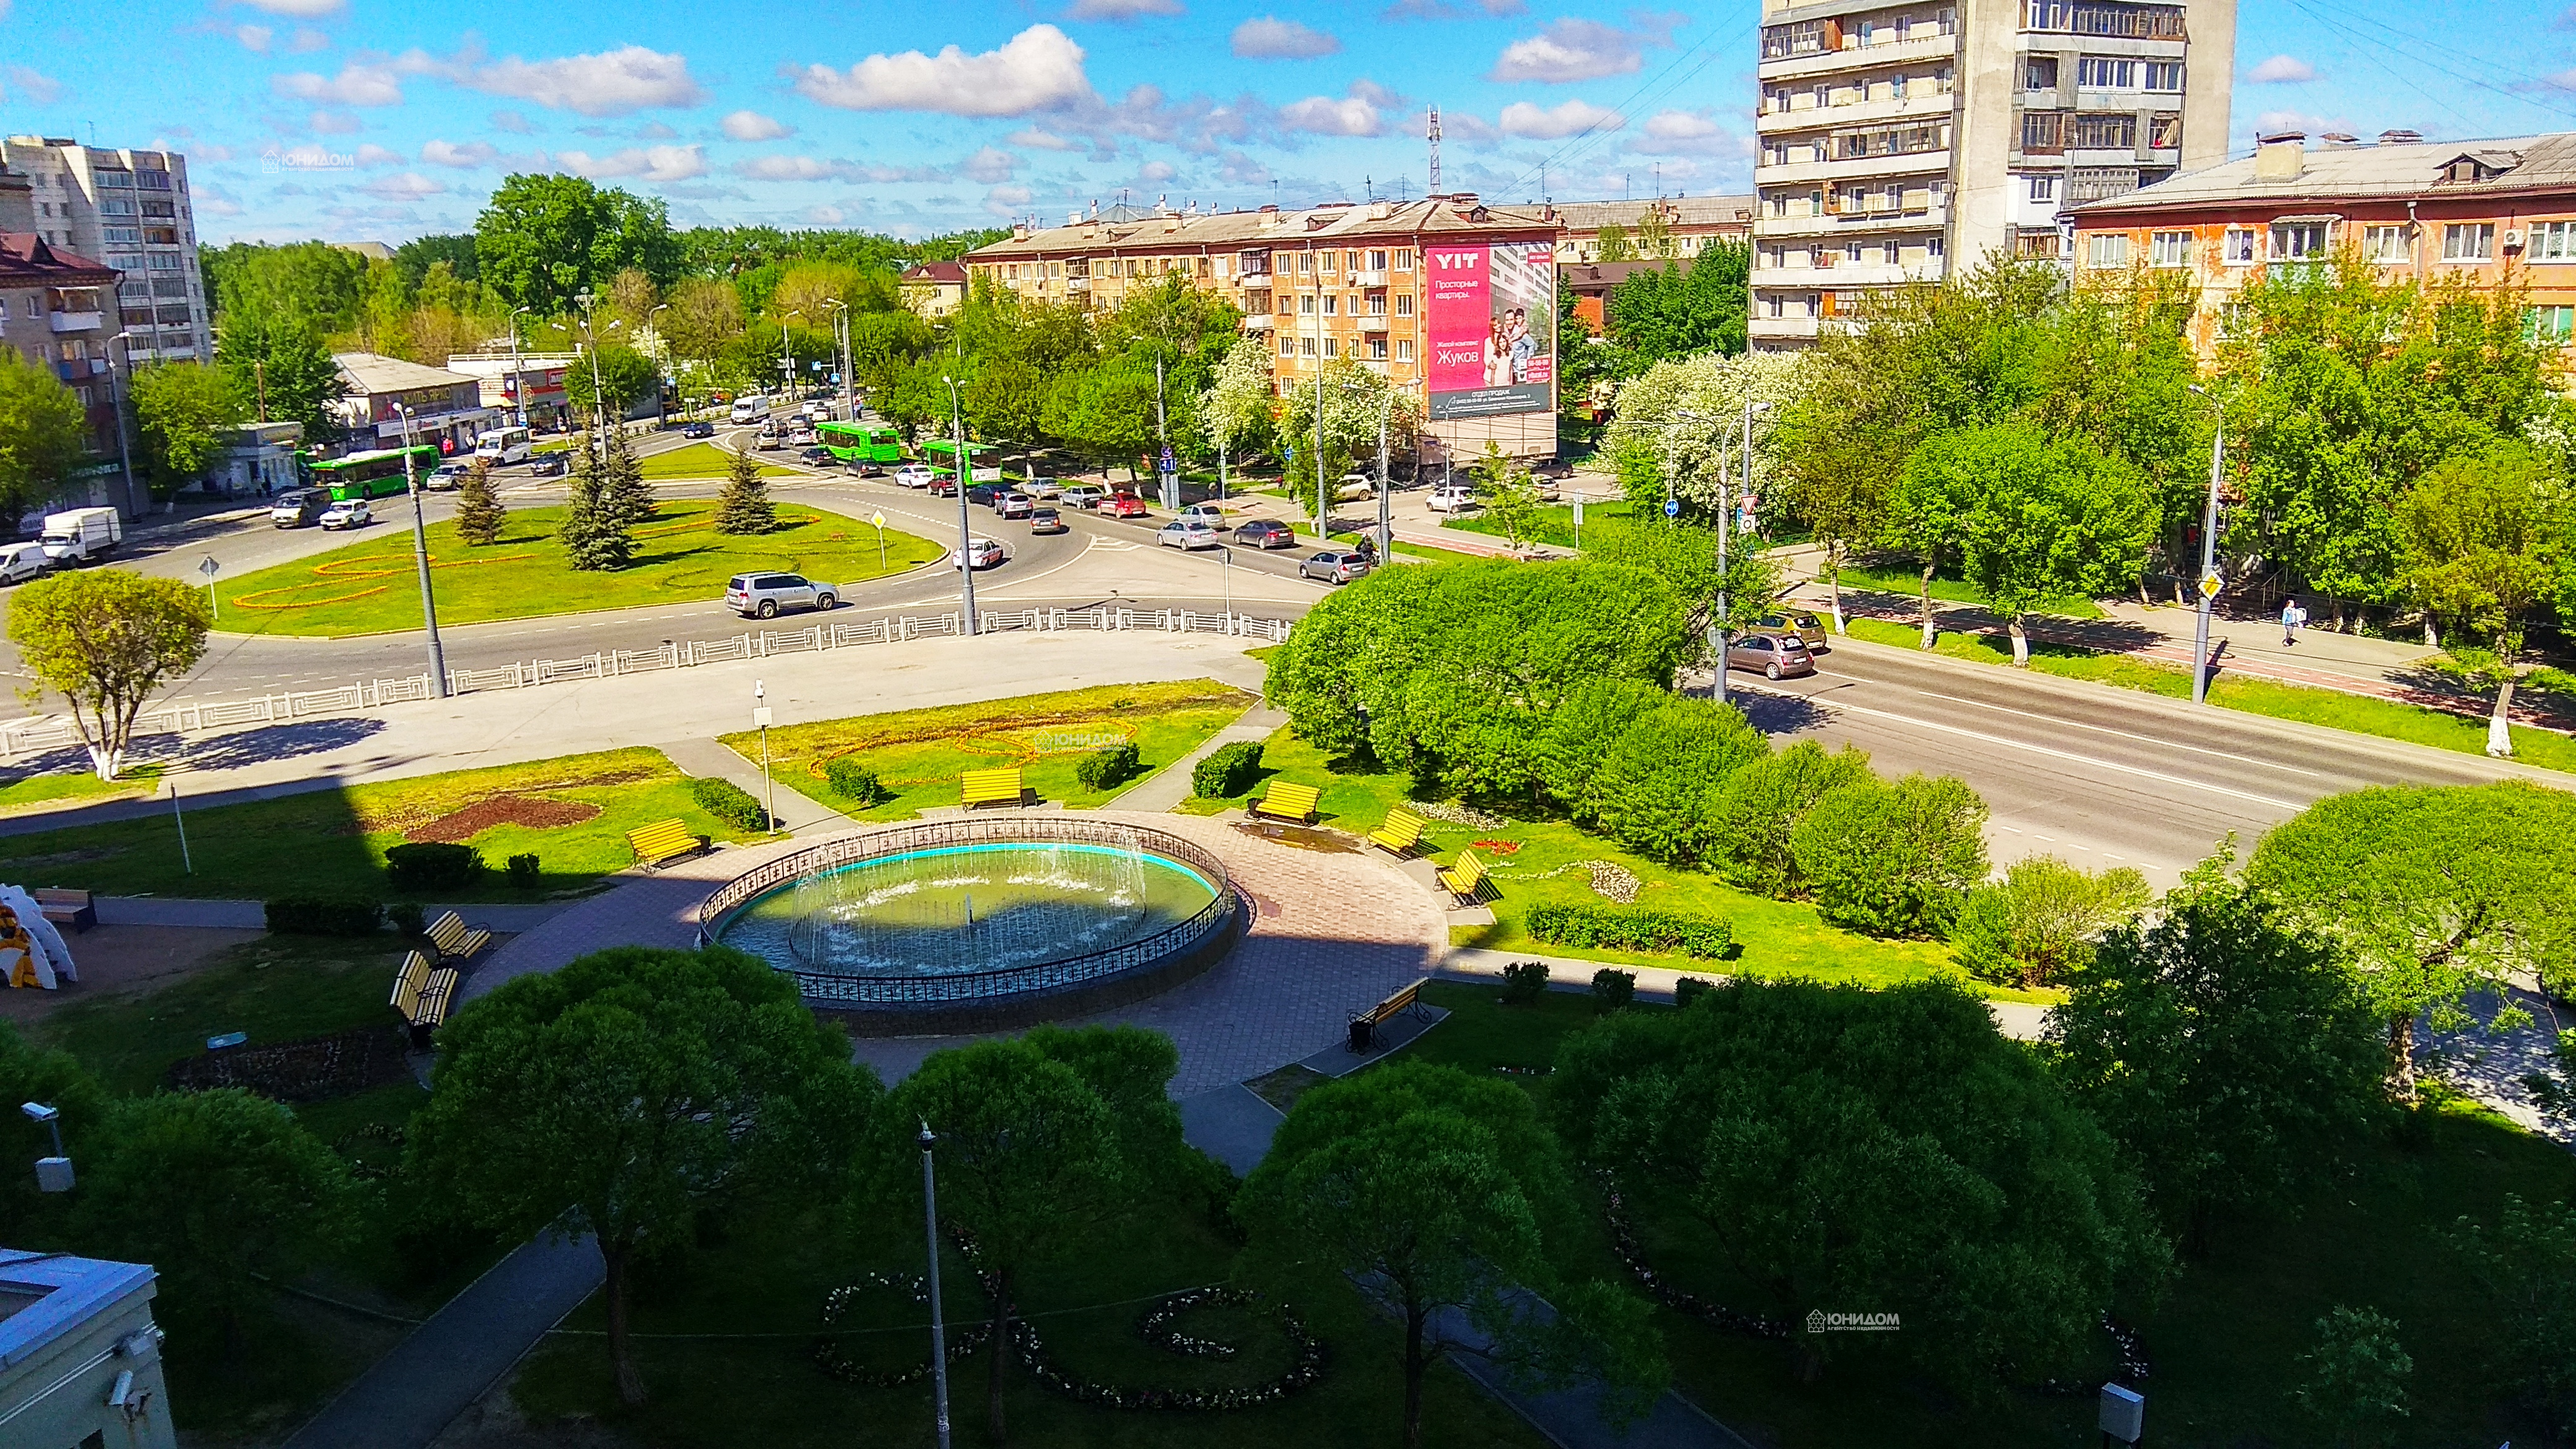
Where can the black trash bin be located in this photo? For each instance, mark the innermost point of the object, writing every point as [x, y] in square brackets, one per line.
[1363, 1034]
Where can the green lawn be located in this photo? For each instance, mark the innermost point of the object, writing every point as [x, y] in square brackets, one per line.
[919, 754]
[2225, 1342]
[279, 988]
[1908, 581]
[1775, 937]
[1308, 538]
[1555, 525]
[2359, 713]
[333, 842]
[702, 460]
[371, 586]
[26, 792]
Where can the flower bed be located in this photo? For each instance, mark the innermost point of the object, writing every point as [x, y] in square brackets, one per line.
[315, 1069]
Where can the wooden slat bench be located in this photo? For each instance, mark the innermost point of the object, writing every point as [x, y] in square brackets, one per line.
[455, 940]
[1399, 835]
[993, 787]
[1284, 801]
[664, 840]
[1364, 1024]
[1466, 880]
[422, 993]
[66, 907]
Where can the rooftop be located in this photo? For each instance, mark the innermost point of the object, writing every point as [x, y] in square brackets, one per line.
[46, 1295]
[1460, 215]
[2348, 169]
[1678, 211]
[937, 272]
[28, 260]
[373, 372]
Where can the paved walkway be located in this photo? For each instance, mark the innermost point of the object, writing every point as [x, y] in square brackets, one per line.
[2019, 1020]
[252, 915]
[799, 812]
[1168, 787]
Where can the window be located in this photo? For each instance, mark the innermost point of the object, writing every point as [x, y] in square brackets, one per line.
[2108, 249]
[2093, 131]
[1404, 259]
[1306, 345]
[1287, 345]
[1377, 349]
[1328, 261]
[2131, 22]
[2164, 133]
[2098, 72]
[2043, 188]
[2298, 241]
[2171, 249]
[2469, 242]
[2164, 75]
[1377, 304]
[2039, 73]
[1404, 349]
[2383, 243]
[1896, 88]
[1306, 304]
[1306, 263]
[2043, 132]
[1779, 42]
[2550, 324]
[1773, 305]
[1404, 304]
[2553, 241]
[1377, 261]
[1932, 248]
[130, 235]
[1851, 251]
[1889, 254]
[115, 206]
[1330, 298]
[1332, 347]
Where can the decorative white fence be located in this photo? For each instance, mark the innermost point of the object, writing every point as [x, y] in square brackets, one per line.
[54, 732]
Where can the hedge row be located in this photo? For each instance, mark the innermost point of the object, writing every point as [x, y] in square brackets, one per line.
[1228, 771]
[1629, 928]
[729, 803]
[1101, 769]
[433, 865]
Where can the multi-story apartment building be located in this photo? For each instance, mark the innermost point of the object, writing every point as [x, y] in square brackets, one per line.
[1900, 141]
[2485, 213]
[131, 210]
[1686, 224]
[1446, 296]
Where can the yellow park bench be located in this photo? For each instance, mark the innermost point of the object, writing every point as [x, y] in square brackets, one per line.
[66, 907]
[1400, 834]
[1364, 1024]
[422, 993]
[664, 840]
[993, 787]
[1466, 880]
[1284, 801]
[455, 940]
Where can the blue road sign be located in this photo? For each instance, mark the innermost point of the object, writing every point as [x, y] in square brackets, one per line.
[1672, 508]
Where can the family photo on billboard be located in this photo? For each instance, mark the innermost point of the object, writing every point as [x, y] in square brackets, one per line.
[1492, 322]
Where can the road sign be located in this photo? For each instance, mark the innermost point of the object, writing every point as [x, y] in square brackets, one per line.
[1578, 512]
[1672, 508]
[877, 518]
[209, 567]
[2211, 583]
[1170, 465]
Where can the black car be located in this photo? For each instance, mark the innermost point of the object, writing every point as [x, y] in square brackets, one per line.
[817, 458]
[550, 465]
[699, 430]
[1266, 533]
[983, 494]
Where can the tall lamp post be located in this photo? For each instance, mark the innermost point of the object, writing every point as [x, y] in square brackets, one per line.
[518, 369]
[841, 335]
[787, 357]
[1725, 522]
[116, 401]
[938, 1320]
[965, 531]
[769, 782]
[658, 348]
[420, 558]
[2209, 582]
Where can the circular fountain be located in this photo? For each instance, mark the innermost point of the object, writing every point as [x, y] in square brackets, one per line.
[981, 925]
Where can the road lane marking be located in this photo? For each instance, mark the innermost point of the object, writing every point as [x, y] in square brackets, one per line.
[2124, 734]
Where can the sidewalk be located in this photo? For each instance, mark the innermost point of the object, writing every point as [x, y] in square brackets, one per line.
[1167, 788]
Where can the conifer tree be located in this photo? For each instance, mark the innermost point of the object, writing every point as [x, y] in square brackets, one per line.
[629, 501]
[479, 513]
[594, 531]
[744, 507]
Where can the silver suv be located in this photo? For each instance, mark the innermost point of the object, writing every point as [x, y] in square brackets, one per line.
[766, 594]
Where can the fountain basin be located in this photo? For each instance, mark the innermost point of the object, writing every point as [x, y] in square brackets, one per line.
[981, 925]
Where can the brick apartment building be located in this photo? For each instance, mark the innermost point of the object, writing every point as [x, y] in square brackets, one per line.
[1688, 223]
[2478, 211]
[1445, 293]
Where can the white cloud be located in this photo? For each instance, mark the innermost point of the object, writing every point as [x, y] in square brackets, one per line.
[642, 163]
[464, 157]
[1039, 69]
[1686, 133]
[408, 186]
[307, 9]
[1680, 126]
[208, 151]
[2271, 121]
[214, 203]
[821, 214]
[796, 168]
[611, 83]
[357, 84]
[753, 126]
[1328, 116]
[2281, 70]
[1533, 122]
[1006, 200]
[990, 166]
[1579, 50]
[655, 131]
[1155, 173]
[512, 122]
[308, 40]
[332, 123]
[254, 38]
[1038, 140]
[1270, 38]
[373, 155]
[1120, 9]
[30, 85]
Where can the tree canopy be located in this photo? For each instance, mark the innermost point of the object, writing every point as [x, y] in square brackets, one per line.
[106, 640]
[542, 239]
[44, 433]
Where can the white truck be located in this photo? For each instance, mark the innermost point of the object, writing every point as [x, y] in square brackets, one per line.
[81, 535]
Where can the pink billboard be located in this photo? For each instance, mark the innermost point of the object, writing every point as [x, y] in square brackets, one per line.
[1491, 317]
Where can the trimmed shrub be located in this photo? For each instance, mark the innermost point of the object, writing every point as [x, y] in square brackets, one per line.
[1613, 988]
[1630, 928]
[1657, 788]
[406, 917]
[434, 865]
[1688, 989]
[1103, 768]
[1524, 982]
[1760, 806]
[1893, 858]
[1228, 771]
[1579, 737]
[853, 781]
[524, 871]
[729, 803]
[314, 916]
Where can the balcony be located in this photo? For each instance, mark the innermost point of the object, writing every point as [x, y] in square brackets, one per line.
[1908, 163]
[1842, 274]
[1855, 57]
[1256, 322]
[1252, 279]
[1780, 328]
[81, 369]
[1077, 284]
[1369, 279]
[1858, 223]
[1817, 118]
[1372, 322]
[77, 321]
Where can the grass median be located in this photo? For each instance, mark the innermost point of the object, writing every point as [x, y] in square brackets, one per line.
[702, 460]
[370, 586]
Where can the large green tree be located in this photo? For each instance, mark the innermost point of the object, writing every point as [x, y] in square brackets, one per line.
[628, 1094]
[543, 239]
[1889, 1151]
[1682, 309]
[106, 640]
[44, 433]
[2487, 538]
[2043, 518]
[312, 283]
[280, 367]
[184, 413]
[1892, 857]
[626, 376]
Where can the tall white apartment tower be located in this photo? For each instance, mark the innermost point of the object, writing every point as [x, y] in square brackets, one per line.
[131, 210]
[1901, 141]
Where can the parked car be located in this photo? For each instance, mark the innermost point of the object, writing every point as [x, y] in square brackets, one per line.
[1776, 655]
[1041, 487]
[349, 513]
[1450, 497]
[20, 562]
[1189, 533]
[1014, 505]
[983, 552]
[1121, 505]
[1047, 520]
[1266, 533]
[1811, 631]
[766, 594]
[913, 475]
[549, 465]
[699, 429]
[1334, 566]
[1083, 495]
[297, 508]
[817, 457]
[1214, 515]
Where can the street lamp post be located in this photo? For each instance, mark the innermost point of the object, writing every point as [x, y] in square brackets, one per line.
[965, 531]
[938, 1319]
[1725, 635]
[53, 1174]
[658, 349]
[420, 558]
[769, 782]
[518, 369]
[841, 335]
[2207, 586]
[598, 392]
[787, 357]
[116, 401]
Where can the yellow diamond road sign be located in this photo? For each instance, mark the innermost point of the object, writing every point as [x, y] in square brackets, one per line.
[2210, 584]
[877, 518]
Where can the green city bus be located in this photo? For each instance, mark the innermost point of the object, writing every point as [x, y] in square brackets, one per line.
[941, 455]
[374, 474]
[860, 442]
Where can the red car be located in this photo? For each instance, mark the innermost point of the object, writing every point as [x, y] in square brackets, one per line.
[1123, 505]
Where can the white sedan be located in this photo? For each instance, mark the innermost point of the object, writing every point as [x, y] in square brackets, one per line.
[1190, 533]
[984, 552]
[913, 475]
[1450, 497]
[350, 513]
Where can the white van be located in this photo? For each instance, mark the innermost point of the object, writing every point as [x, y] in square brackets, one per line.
[20, 562]
[508, 445]
[750, 409]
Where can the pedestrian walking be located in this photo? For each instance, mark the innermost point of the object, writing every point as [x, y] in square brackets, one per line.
[2292, 617]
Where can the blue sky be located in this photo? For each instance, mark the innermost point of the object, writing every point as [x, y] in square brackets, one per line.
[363, 119]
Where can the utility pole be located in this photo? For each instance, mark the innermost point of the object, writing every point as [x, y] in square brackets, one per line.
[1385, 528]
[1323, 489]
[938, 1321]
[420, 558]
[518, 369]
[1163, 442]
[116, 396]
[965, 531]
[2209, 581]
